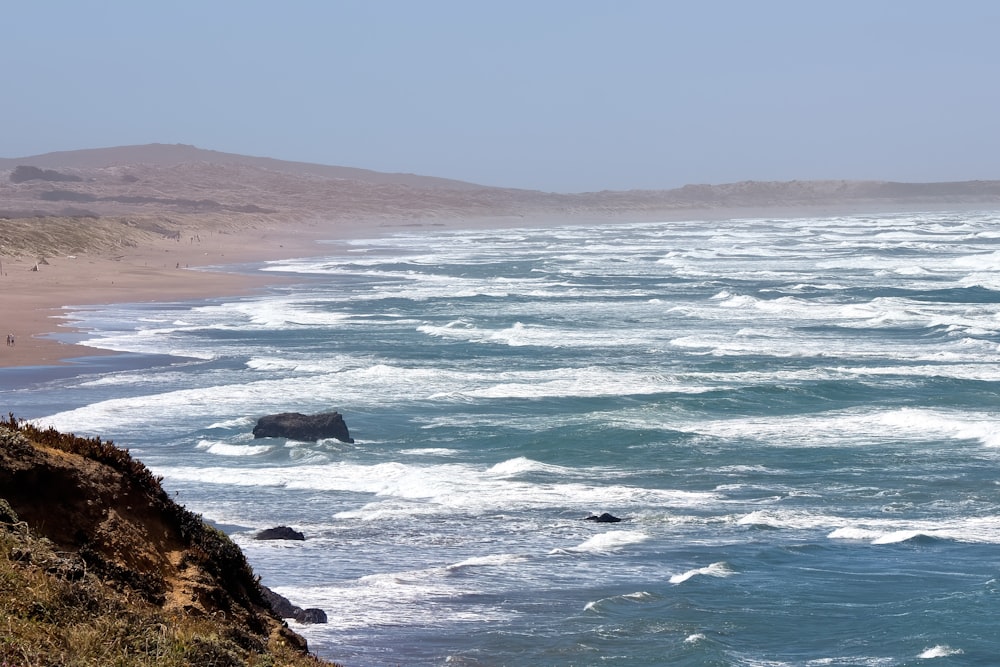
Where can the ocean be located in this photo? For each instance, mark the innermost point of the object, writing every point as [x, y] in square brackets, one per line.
[795, 419]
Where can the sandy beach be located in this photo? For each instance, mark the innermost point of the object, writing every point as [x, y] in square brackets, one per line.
[36, 297]
[34, 302]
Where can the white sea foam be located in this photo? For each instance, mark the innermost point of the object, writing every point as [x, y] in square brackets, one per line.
[440, 488]
[632, 598]
[229, 449]
[897, 536]
[719, 569]
[522, 465]
[430, 451]
[972, 530]
[238, 422]
[495, 560]
[854, 427]
[394, 600]
[940, 651]
[612, 540]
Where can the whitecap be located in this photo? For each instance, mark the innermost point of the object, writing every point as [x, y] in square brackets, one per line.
[494, 560]
[229, 449]
[522, 465]
[720, 569]
[898, 536]
[238, 422]
[940, 651]
[639, 596]
[610, 541]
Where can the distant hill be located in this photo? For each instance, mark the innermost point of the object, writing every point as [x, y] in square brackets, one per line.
[161, 179]
[170, 155]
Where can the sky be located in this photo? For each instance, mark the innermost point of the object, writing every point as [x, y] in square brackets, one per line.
[554, 95]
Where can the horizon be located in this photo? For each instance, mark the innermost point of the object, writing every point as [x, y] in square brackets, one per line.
[558, 97]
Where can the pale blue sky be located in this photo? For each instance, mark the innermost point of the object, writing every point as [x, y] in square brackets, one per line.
[560, 95]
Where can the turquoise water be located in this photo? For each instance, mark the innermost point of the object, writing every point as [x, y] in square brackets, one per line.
[796, 419]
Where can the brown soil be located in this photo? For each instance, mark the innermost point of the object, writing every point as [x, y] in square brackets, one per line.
[86, 519]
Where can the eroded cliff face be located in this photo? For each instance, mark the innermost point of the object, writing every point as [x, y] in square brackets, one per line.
[89, 539]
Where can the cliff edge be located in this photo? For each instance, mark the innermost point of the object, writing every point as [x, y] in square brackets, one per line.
[99, 566]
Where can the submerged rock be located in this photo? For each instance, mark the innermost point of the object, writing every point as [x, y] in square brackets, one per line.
[603, 518]
[298, 426]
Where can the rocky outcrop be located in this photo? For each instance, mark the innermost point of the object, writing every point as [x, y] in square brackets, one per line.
[297, 426]
[284, 608]
[91, 543]
[279, 533]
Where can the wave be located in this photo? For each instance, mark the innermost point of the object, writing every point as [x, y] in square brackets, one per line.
[522, 465]
[238, 422]
[430, 451]
[842, 428]
[229, 449]
[910, 536]
[496, 560]
[878, 531]
[720, 569]
[889, 537]
[420, 489]
[940, 651]
[613, 540]
[969, 530]
[627, 598]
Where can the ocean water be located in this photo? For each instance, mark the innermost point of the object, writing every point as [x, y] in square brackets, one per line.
[798, 421]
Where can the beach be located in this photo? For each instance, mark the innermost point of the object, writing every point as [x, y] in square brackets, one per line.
[202, 258]
[36, 295]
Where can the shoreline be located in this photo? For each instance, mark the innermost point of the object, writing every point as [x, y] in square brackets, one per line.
[35, 299]
[36, 304]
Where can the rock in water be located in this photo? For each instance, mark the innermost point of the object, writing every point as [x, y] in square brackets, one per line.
[285, 609]
[298, 426]
[279, 533]
[603, 518]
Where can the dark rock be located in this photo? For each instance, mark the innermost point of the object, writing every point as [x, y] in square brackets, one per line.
[298, 426]
[281, 605]
[279, 533]
[285, 609]
[311, 615]
[603, 518]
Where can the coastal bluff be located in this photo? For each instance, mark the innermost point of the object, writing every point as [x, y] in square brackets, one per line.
[98, 565]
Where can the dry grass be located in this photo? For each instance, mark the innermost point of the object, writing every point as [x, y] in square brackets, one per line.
[55, 613]
[48, 237]
[72, 608]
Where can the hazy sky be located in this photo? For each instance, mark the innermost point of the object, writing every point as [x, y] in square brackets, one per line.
[560, 95]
